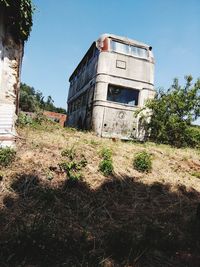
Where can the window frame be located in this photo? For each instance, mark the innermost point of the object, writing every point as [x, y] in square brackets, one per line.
[129, 50]
[123, 87]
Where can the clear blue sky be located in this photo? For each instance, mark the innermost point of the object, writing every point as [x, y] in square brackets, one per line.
[64, 29]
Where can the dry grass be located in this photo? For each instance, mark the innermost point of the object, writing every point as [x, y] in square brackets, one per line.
[129, 219]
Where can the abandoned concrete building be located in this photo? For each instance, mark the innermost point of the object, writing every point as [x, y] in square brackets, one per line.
[112, 81]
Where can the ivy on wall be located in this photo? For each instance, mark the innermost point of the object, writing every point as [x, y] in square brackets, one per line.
[18, 17]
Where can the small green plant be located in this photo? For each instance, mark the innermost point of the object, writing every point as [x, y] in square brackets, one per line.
[73, 167]
[106, 164]
[7, 155]
[69, 152]
[106, 153]
[142, 162]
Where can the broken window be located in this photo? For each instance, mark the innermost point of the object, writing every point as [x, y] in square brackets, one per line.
[123, 95]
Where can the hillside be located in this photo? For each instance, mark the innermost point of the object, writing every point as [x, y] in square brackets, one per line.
[126, 219]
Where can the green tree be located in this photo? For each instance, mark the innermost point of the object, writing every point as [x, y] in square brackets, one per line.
[28, 101]
[32, 100]
[172, 114]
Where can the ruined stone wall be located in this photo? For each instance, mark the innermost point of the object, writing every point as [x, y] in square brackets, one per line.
[11, 53]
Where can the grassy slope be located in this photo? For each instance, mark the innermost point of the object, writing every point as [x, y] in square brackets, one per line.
[129, 219]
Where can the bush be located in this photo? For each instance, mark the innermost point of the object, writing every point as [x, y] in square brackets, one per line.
[172, 114]
[142, 162]
[24, 120]
[193, 136]
[7, 155]
[106, 164]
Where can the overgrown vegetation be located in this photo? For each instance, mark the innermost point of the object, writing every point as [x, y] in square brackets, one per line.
[34, 121]
[106, 164]
[142, 162]
[32, 100]
[7, 155]
[18, 15]
[126, 219]
[172, 114]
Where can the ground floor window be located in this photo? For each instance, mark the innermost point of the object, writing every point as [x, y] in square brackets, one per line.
[123, 95]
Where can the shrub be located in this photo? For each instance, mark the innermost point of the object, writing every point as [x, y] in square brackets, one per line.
[24, 120]
[106, 164]
[172, 114]
[7, 155]
[34, 120]
[106, 167]
[142, 162]
[193, 136]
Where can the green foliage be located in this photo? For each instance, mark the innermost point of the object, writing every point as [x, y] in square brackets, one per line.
[33, 101]
[142, 162]
[69, 152]
[73, 165]
[7, 155]
[35, 120]
[18, 15]
[24, 120]
[192, 136]
[106, 164]
[106, 153]
[172, 114]
[28, 98]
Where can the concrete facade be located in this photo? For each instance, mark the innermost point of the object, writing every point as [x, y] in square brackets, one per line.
[111, 68]
[11, 54]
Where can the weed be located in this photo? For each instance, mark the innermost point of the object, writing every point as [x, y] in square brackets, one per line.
[106, 153]
[94, 142]
[142, 162]
[196, 174]
[72, 167]
[106, 164]
[7, 155]
[106, 167]
[69, 152]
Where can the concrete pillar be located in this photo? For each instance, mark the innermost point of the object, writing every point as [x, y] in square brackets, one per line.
[11, 53]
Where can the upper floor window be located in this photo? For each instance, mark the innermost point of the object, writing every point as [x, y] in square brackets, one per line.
[129, 49]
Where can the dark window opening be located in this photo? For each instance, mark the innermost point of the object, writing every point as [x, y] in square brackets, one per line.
[123, 95]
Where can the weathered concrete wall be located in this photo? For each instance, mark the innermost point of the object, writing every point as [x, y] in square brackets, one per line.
[10, 64]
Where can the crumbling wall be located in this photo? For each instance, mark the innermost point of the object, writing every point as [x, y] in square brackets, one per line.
[11, 53]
